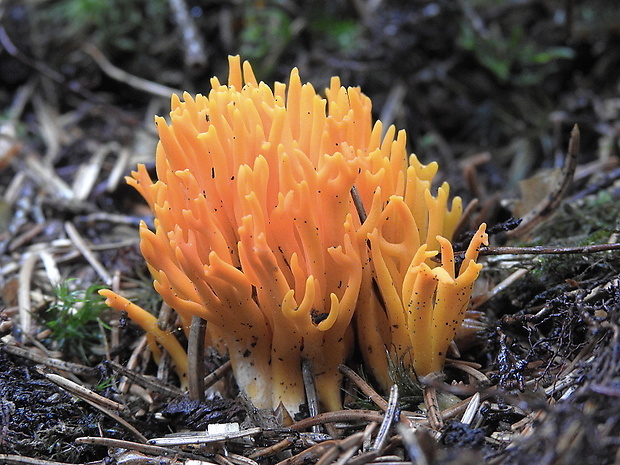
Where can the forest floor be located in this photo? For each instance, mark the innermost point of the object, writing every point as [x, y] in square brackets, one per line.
[492, 90]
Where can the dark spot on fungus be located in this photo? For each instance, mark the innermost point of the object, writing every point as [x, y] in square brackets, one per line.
[317, 317]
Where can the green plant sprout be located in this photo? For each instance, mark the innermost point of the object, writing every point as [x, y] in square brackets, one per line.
[74, 319]
[511, 55]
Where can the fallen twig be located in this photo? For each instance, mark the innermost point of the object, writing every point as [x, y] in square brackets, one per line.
[548, 249]
[129, 79]
[136, 446]
[195, 361]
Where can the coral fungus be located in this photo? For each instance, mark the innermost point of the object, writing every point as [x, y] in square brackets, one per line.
[256, 232]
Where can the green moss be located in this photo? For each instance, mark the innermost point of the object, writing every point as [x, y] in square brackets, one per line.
[339, 34]
[589, 221]
[115, 23]
[510, 54]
